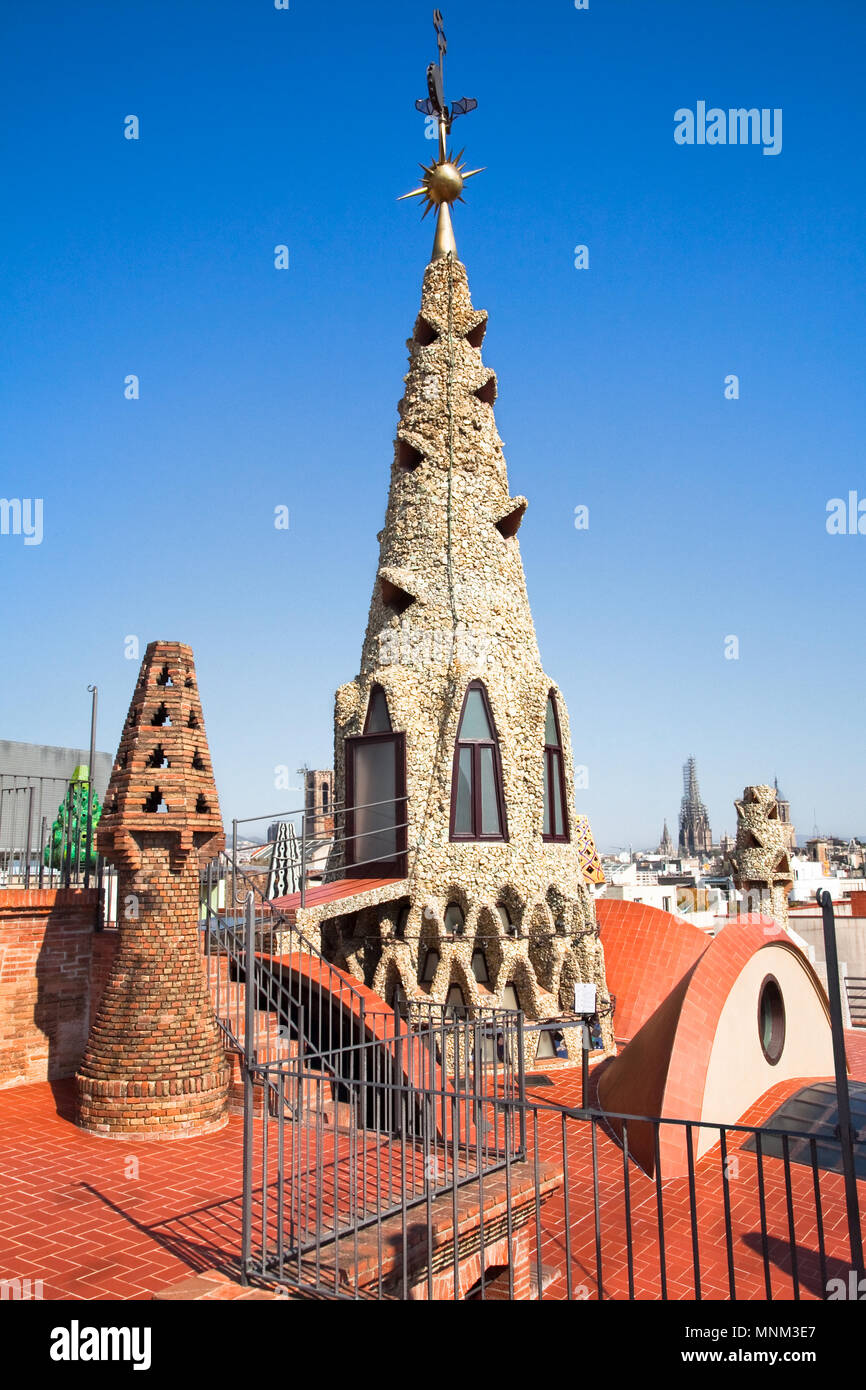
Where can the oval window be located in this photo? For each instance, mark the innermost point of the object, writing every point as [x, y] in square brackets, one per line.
[771, 1020]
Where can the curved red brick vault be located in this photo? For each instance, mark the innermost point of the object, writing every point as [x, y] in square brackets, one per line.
[663, 1069]
[646, 952]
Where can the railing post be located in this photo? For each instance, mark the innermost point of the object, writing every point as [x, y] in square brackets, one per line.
[249, 1058]
[843, 1100]
[304, 857]
[585, 1041]
[521, 1082]
[67, 876]
[99, 922]
[29, 838]
[43, 836]
[234, 865]
[89, 841]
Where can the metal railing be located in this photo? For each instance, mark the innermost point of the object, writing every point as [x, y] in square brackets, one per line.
[370, 1131]
[30, 856]
[385, 819]
[298, 995]
[743, 1221]
[338, 1204]
[361, 1120]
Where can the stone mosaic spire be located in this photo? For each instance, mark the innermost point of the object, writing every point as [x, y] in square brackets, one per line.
[450, 609]
[445, 558]
[494, 905]
[761, 860]
[155, 1065]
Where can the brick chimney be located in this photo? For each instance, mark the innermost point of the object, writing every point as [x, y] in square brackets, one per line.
[155, 1065]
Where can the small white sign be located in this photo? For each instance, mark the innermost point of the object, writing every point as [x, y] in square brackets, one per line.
[584, 999]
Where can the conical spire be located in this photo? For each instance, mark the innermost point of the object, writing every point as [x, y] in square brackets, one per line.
[448, 558]
[155, 1063]
[452, 706]
[162, 780]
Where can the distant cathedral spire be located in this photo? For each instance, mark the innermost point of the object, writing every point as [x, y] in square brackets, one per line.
[667, 845]
[695, 834]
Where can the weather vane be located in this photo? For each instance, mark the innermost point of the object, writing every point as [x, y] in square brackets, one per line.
[444, 177]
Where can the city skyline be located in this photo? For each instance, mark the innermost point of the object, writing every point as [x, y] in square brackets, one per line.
[263, 388]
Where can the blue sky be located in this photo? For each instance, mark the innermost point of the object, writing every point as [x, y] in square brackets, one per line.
[262, 387]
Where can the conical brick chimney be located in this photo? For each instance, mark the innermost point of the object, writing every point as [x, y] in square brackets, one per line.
[155, 1065]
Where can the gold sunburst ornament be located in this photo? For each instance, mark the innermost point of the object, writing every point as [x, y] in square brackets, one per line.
[444, 177]
[442, 183]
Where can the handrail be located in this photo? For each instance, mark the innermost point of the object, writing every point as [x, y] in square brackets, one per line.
[312, 813]
[337, 842]
[337, 982]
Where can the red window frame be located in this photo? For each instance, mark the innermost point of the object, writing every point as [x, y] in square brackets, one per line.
[378, 868]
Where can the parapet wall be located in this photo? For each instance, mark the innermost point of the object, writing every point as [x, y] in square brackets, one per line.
[52, 967]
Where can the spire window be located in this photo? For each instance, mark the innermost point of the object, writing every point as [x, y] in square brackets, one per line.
[376, 796]
[477, 799]
[555, 821]
[378, 719]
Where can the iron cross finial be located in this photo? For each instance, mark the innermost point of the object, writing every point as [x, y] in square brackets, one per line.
[434, 103]
[441, 40]
[444, 177]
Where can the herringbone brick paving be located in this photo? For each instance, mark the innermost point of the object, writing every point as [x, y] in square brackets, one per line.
[99, 1219]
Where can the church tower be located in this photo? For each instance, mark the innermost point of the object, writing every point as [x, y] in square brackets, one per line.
[453, 736]
[667, 845]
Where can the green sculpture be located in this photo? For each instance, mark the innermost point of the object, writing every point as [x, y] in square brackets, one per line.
[70, 826]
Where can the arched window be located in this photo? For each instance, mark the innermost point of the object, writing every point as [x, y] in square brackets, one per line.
[455, 921]
[431, 965]
[479, 966]
[555, 823]
[477, 801]
[505, 919]
[455, 1004]
[551, 1045]
[510, 999]
[324, 798]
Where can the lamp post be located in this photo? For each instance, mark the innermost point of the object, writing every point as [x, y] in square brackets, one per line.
[88, 841]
